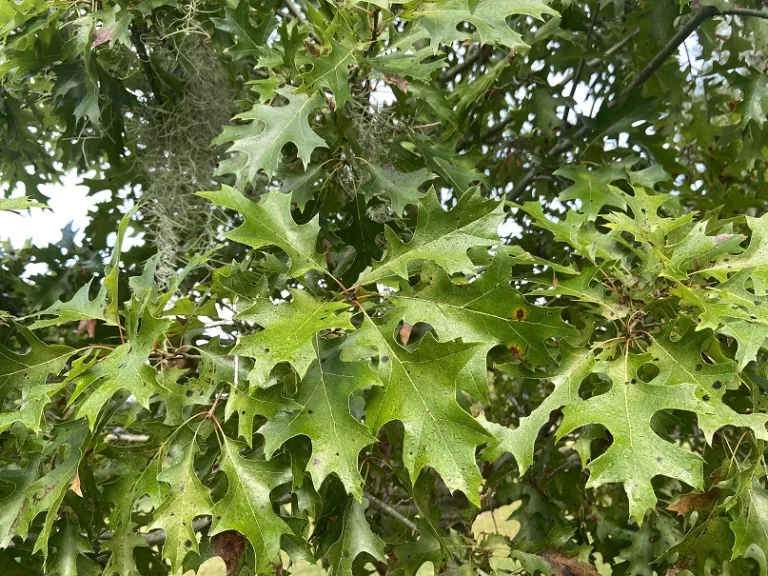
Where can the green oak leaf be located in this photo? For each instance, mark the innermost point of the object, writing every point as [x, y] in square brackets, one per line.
[710, 541]
[27, 374]
[20, 203]
[122, 547]
[754, 103]
[645, 224]
[71, 547]
[467, 95]
[458, 171]
[487, 311]
[441, 236]
[680, 362]
[419, 390]
[187, 500]
[411, 556]
[473, 313]
[489, 18]
[684, 382]
[139, 478]
[637, 454]
[35, 494]
[402, 189]
[587, 288]
[250, 40]
[125, 368]
[112, 270]
[257, 144]
[24, 372]
[577, 231]
[288, 334]
[323, 415]
[268, 402]
[592, 187]
[331, 70]
[733, 310]
[754, 258]
[30, 408]
[654, 538]
[246, 507]
[79, 307]
[269, 223]
[356, 538]
[407, 62]
[750, 523]
[15, 480]
[301, 184]
[520, 441]
[77, 83]
[698, 249]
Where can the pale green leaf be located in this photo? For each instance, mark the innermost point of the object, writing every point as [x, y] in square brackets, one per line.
[257, 144]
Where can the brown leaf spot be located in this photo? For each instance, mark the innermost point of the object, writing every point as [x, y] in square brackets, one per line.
[230, 546]
[519, 314]
[311, 48]
[722, 238]
[567, 565]
[87, 326]
[75, 486]
[405, 333]
[102, 35]
[395, 80]
[694, 501]
[677, 568]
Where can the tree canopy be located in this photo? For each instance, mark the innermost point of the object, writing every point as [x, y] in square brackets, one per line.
[387, 287]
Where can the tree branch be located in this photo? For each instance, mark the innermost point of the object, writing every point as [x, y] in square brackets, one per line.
[745, 12]
[498, 128]
[387, 509]
[141, 50]
[582, 60]
[293, 9]
[673, 44]
[494, 130]
[610, 51]
[465, 64]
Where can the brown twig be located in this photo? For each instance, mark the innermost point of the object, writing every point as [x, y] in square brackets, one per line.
[387, 509]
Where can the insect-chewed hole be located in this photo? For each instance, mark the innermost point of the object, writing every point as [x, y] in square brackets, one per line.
[648, 371]
[671, 425]
[593, 385]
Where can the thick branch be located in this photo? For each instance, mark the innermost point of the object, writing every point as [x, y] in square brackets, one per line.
[674, 43]
[671, 46]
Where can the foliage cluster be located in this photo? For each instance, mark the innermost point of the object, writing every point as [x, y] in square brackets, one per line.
[403, 287]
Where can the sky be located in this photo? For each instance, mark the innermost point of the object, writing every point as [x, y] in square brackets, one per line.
[68, 202]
